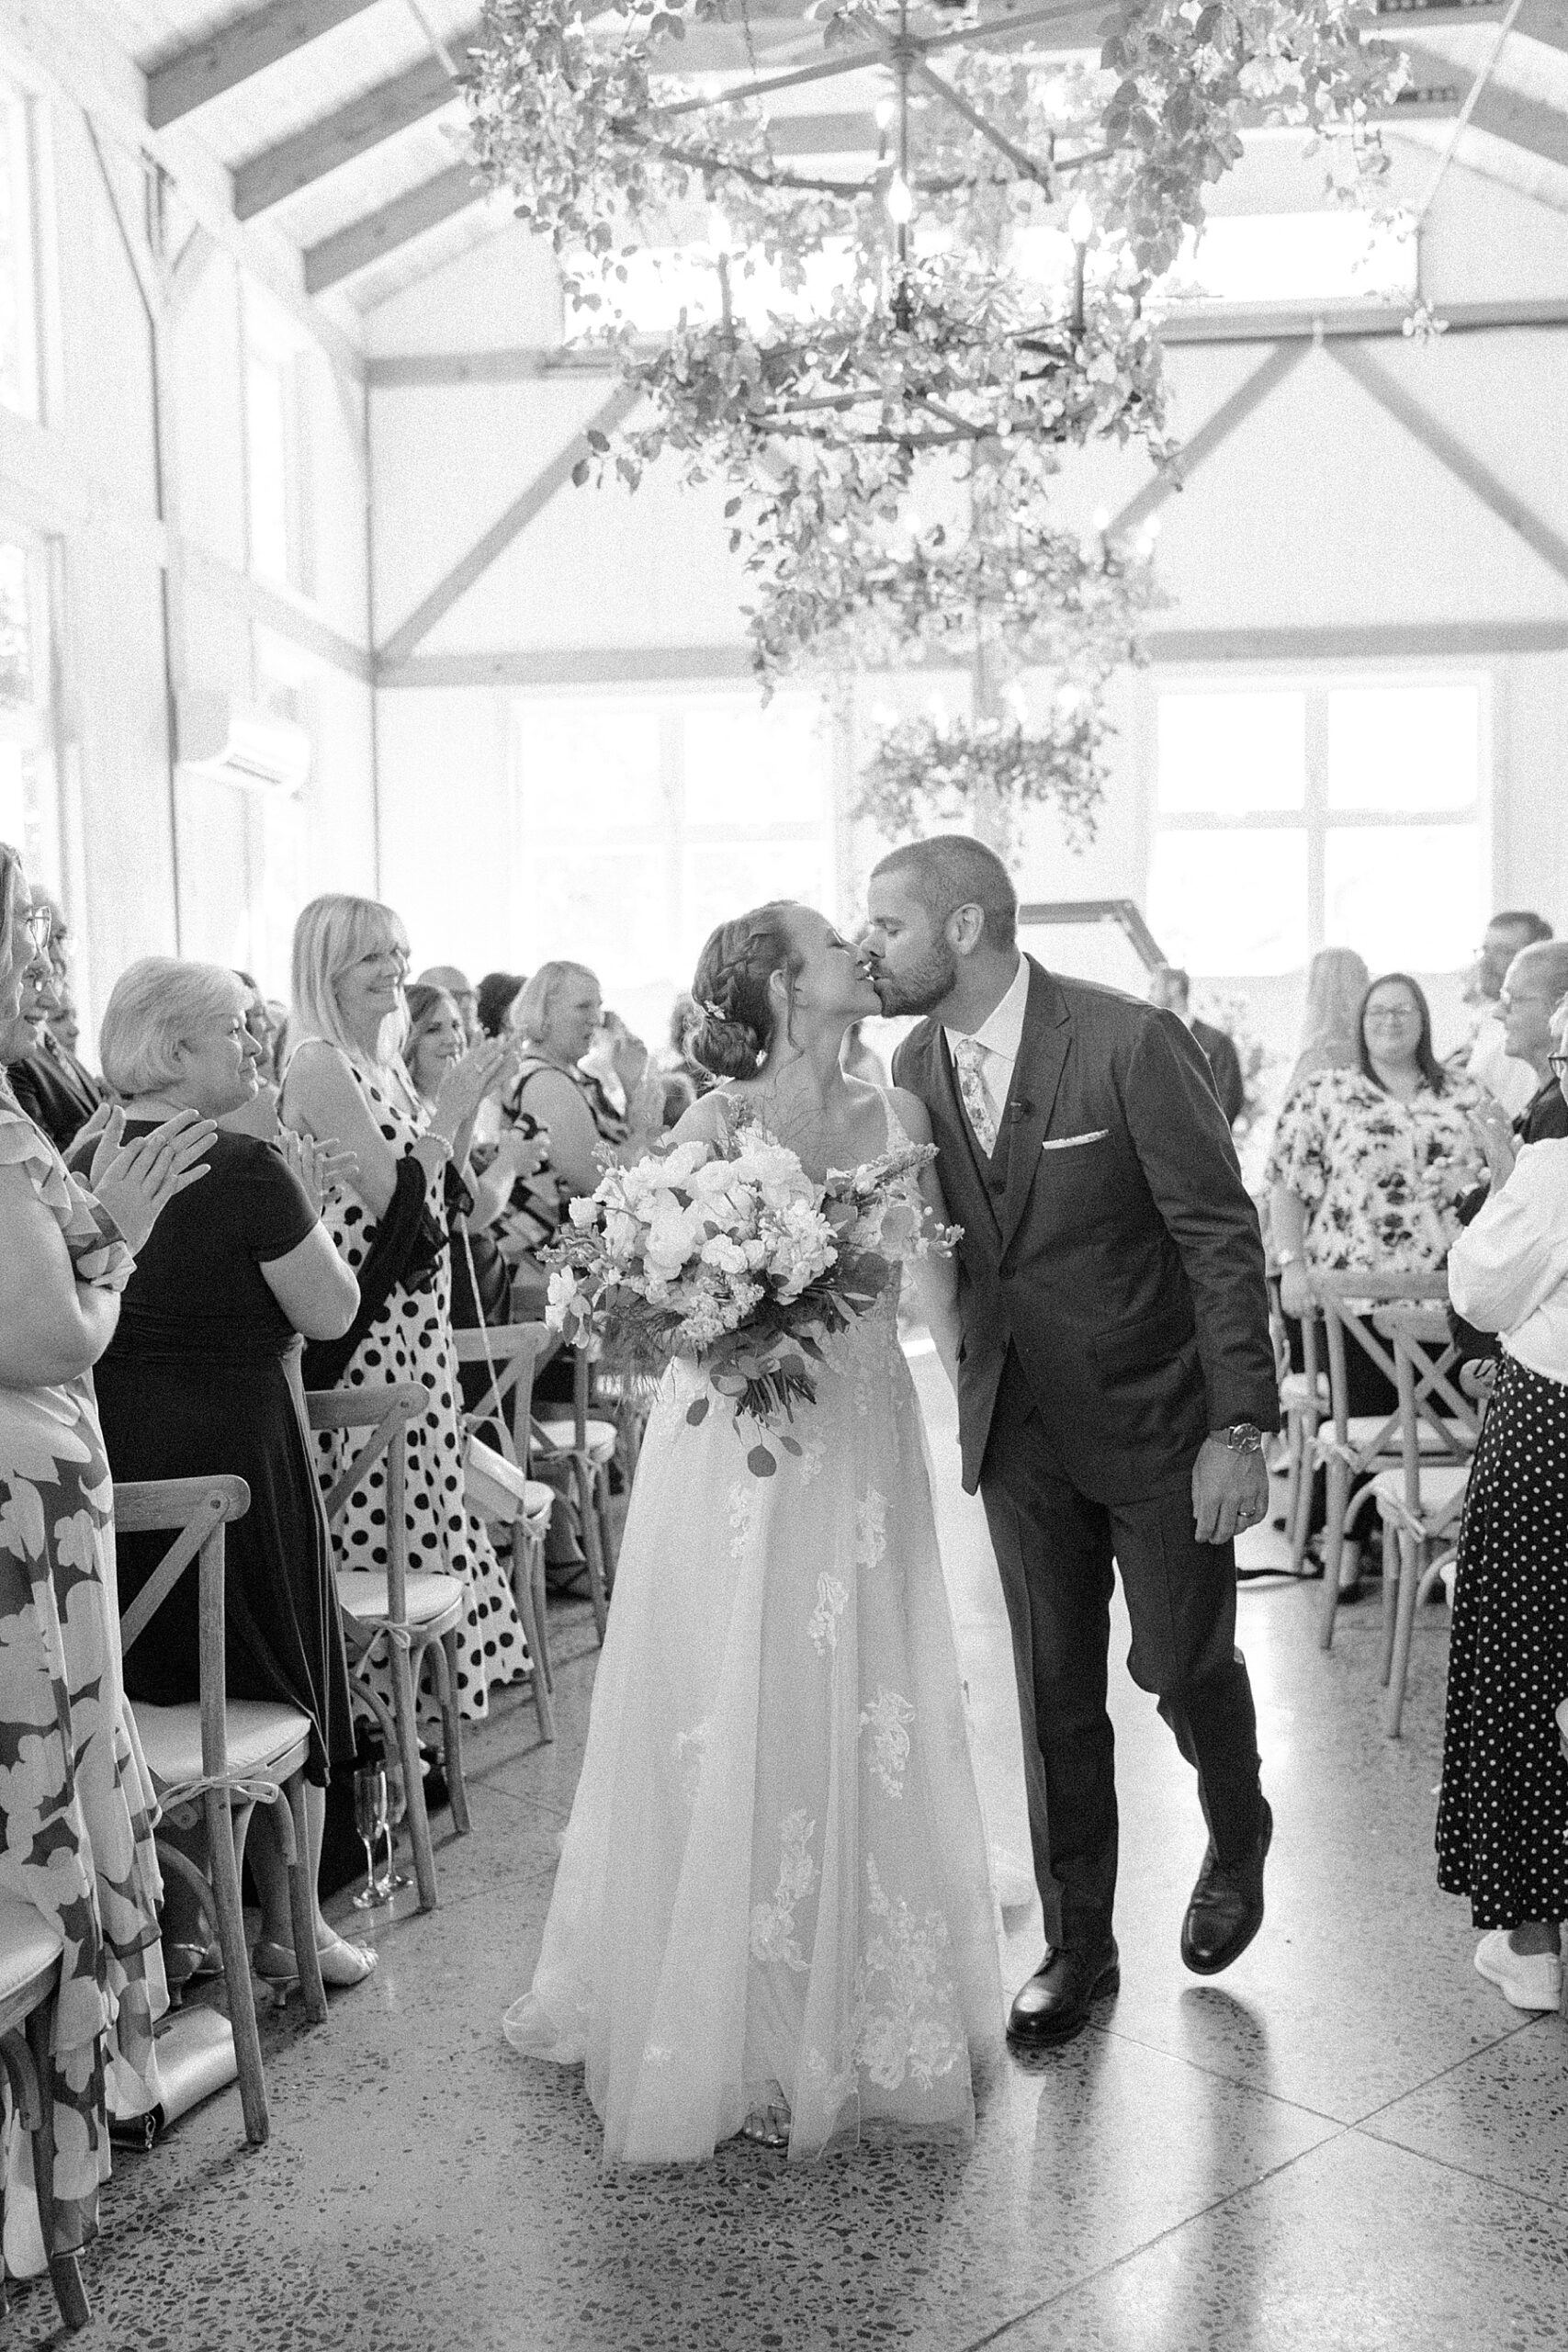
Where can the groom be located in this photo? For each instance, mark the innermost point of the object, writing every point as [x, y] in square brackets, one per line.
[1115, 1377]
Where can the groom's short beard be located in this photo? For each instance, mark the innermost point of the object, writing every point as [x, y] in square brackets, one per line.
[923, 988]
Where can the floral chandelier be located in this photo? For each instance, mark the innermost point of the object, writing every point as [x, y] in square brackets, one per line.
[928, 773]
[938, 357]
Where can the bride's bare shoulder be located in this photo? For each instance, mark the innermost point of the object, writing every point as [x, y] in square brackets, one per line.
[707, 1120]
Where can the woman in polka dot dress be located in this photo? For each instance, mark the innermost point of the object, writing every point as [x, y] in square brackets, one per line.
[344, 1080]
[1503, 1813]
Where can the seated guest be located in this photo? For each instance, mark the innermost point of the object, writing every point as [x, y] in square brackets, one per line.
[58, 1092]
[1532, 995]
[76, 1799]
[1170, 987]
[1503, 1810]
[1368, 1168]
[1337, 981]
[345, 1079]
[1487, 1059]
[460, 988]
[202, 1376]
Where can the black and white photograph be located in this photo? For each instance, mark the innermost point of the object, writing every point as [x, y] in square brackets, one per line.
[784, 1175]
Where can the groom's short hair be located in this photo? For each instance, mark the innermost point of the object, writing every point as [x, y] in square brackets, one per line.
[952, 870]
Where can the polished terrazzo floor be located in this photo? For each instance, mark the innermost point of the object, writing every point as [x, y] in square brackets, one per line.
[1350, 2140]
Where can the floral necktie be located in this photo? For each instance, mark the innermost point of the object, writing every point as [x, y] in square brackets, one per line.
[970, 1056]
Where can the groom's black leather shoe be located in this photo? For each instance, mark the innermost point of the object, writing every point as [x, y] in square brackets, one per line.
[1227, 1909]
[1054, 2004]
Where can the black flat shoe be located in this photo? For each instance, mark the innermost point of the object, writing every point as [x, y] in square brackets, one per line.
[1054, 2006]
[1227, 1909]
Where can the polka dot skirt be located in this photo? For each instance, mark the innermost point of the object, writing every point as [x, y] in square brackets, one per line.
[1503, 1813]
[412, 1340]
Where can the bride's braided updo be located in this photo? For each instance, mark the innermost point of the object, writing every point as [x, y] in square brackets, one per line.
[734, 1020]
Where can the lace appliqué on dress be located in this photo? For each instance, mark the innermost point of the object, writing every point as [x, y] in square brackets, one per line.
[914, 2029]
[871, 1529]
[772, 1924]
[832, 1600]
[745, 1508]
[888, 1719]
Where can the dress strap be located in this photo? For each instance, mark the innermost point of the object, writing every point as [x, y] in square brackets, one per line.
[898, 1136]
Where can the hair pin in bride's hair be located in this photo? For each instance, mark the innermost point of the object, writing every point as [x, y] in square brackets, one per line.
[714, 1012]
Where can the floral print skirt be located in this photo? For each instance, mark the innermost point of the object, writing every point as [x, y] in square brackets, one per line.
[76, 1804]
[776, 1878]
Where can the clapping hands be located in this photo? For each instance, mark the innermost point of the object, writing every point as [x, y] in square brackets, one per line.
[136, 1182]
[321, 1166]
[1493, 1131]
[483, 1069]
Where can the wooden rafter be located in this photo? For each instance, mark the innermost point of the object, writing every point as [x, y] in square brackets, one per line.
[1212, 435]
[502, 532]
[224, 59]
[379, 233]
[1455, 456]
[350, 130]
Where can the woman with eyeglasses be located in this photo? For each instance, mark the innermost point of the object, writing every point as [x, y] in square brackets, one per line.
[346, 1079]
[1369, 1167]
[1503, 1807]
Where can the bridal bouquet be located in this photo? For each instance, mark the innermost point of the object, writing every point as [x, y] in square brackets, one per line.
[733, 1257]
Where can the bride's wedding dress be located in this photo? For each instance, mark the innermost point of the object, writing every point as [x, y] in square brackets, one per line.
[775, 1877]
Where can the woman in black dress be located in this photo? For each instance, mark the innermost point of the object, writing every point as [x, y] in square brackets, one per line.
[202, 1376]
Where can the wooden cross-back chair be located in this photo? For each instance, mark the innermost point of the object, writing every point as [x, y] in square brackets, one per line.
[225, 1754]
[409, 1614]
[31, 1949]
[1356, 1446]
[517, 1508]
[582, 1445]
[1421, 1502]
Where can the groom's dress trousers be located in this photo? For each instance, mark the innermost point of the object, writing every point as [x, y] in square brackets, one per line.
[1114, 1311]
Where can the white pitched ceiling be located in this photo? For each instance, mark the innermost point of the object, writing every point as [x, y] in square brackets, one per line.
[338, 120]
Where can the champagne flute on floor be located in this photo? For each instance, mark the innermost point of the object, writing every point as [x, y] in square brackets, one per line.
[370, 1821]
[397, 1808]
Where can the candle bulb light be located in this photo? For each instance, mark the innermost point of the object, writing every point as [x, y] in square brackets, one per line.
[900, 200]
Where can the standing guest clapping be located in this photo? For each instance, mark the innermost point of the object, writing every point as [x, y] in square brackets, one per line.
[76, 1803]
[56, 1089]
[202, 1376]
[1503, 1810]
[345, 1079]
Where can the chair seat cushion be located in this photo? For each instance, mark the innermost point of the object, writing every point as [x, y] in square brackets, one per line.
[259, 1733]
[1442, 1483]
[562, 1433]
[1297, 1389]
[29, 1944]
[362, 1594]
[1363, 1426]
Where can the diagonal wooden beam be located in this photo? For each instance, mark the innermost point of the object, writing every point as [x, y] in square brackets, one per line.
[224, 59]
[1211, 434]
[502, 532]
[351, 130]
[381, 232]
[1456, 455]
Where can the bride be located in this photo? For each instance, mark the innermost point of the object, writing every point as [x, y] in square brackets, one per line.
[774, 1910]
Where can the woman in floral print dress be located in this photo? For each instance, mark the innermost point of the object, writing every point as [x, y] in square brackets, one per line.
[76, 1803]
[773, 1911]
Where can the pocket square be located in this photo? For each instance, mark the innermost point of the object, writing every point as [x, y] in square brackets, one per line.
[1071, 1143]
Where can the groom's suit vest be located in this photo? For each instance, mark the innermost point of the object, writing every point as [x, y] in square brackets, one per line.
[1109, 1245]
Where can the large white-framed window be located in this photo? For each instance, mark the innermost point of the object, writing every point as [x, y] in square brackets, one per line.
[1291, 813]
[276, 447]
[21, 381]
[29, 793]
[644, 819]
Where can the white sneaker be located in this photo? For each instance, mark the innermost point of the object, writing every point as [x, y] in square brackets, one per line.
[1527, 1980]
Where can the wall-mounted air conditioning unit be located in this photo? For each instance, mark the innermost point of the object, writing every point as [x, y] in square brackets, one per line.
[236, 743]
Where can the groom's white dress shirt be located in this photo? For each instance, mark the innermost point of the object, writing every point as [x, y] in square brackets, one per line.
[1001, 1034]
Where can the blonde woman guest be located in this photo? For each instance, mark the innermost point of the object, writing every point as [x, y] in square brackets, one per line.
[345, 1079]
[76, 1803]
[1503, 1810]
[1337, 981]
[202, 1376]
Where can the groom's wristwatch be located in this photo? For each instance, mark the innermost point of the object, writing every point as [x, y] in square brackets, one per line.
[1242, 1437]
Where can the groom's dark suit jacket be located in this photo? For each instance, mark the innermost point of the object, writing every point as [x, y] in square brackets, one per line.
[1110, 1240]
